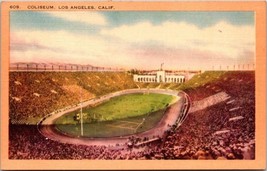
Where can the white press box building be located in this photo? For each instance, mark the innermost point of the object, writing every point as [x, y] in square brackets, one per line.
[160, 76]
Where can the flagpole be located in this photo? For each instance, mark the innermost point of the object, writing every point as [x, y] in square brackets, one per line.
[81, 113]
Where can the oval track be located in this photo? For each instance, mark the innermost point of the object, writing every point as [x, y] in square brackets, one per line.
[47, 128]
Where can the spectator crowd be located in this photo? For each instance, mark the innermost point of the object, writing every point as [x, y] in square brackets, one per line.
[223, 131]
[33, 95]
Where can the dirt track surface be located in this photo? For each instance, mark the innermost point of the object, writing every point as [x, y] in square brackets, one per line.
[47, 128]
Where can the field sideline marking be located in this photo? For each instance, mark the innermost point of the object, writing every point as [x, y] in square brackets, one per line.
[121, 127]
[136, 123]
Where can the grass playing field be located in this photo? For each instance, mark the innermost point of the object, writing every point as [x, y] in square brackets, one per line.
[123, 115]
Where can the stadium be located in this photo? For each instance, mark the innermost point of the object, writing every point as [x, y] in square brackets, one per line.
[131, 85]
[209, 116]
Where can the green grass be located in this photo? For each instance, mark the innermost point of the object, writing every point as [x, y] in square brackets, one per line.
[123, 115]
[121, 107]
[114, 128]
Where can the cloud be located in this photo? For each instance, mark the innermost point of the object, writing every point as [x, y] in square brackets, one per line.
[140, 45]
[91, 18]
[66, 47]
[221, 38]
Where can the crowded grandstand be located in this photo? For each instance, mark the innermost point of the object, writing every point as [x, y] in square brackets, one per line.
[217, 120]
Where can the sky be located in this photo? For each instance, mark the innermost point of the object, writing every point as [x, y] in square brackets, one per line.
[134, 40]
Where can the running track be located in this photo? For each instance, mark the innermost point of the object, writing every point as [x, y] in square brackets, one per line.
[47, 128]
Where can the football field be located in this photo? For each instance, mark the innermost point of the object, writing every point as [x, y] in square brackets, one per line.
[122, 115]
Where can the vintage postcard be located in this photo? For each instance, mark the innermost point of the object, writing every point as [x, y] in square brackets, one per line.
[133, 85]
